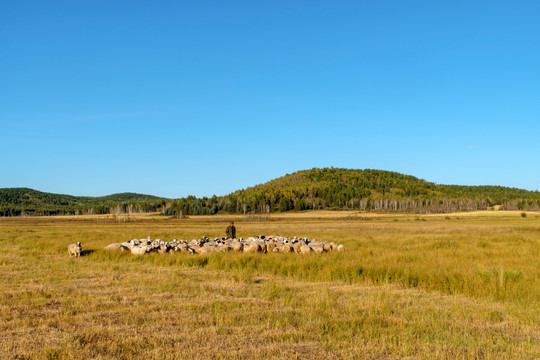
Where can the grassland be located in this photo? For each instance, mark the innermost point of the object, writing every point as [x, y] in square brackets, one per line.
[454, 286]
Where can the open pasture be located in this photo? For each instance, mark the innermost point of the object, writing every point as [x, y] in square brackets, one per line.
[452, 286]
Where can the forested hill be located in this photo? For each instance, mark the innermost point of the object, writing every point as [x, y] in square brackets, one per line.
[326, 188]
[334, 188]
[21, 201]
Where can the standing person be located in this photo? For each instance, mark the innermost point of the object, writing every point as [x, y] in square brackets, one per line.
[231, 231]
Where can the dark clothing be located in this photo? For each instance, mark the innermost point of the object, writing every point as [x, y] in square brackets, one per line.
[231, 232]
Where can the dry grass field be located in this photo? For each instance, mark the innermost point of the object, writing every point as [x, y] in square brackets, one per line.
[453, 286]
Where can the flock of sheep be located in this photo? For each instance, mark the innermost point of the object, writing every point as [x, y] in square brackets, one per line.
[204, 245]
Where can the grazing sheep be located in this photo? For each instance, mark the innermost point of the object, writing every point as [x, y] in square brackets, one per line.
[317, 248]
[237, 246]
[297, 246]
[138, 250]
[224, 248]
[340, 248]
[252, 248]
[117, 247]
[162, 249]
[127, 244]
[264, 248]
[305, 249]
[183, 247]
[206, 245]
[287, 249]
[75, 249]
[206, 250]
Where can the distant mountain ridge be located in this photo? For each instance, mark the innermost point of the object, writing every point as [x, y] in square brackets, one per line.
[27, 195]
[17, 201]
[325, 188]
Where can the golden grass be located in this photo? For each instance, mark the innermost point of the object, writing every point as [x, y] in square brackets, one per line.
[456, 286]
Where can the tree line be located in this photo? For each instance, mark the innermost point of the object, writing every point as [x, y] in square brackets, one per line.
[315, 189]
[29, 202]
[332, 188]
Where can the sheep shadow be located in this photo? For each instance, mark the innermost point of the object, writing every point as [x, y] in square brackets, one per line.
[87, 252]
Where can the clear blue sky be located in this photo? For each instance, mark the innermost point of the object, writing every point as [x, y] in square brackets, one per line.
[173, 98]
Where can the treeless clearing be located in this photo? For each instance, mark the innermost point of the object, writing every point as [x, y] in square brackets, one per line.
[464, 285]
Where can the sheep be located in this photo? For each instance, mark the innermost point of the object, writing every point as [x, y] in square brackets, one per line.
[305, 249]
[116, 247]
[75, 249]
[263, 245]
[317, 248]
[206, 250]
[237, 246]
[340, 248]
[162, 249]
[297, 246]
[252, 248]
[285, 248]
[183, 247]
[139, 250]
[224, 248]
[127, 244]
[206, 245]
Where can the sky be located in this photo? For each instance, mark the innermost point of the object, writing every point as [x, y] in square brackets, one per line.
[177, 98]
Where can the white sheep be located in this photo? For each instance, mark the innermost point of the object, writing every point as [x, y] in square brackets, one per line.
[138, 250]
[252, 248]
[117, 247]
[75, 249]
[305, 249]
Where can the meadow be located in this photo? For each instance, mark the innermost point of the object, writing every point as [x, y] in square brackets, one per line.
[450, 286]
